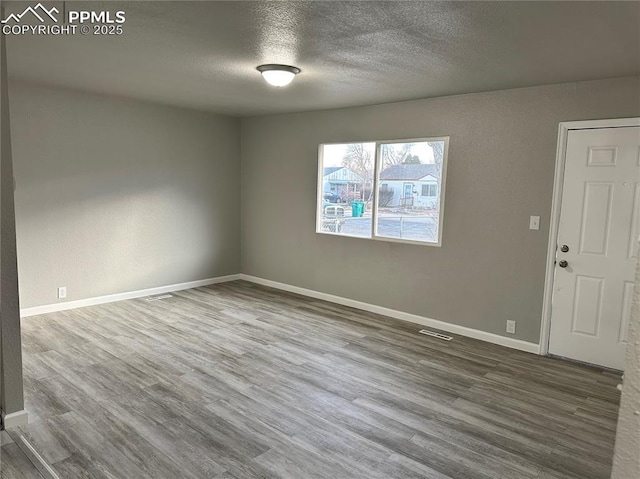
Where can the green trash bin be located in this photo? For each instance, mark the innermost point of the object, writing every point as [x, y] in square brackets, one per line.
[357, 209]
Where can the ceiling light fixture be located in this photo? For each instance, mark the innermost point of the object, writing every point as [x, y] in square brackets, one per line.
[278, 75]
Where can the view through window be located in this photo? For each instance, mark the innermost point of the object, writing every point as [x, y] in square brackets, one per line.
[383, 190]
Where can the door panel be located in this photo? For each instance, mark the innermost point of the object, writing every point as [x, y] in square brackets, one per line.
[587, 306]
[596, 217]
[599, 223]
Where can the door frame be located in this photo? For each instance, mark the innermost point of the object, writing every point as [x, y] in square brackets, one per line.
[556, 203]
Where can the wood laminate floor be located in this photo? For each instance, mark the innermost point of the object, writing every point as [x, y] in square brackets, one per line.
[238, 381]
[13, 462]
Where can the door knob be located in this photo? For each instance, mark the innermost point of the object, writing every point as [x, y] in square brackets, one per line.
[565, 248]
[563, 264]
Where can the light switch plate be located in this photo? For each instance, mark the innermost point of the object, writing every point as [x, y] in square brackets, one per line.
[534, 223]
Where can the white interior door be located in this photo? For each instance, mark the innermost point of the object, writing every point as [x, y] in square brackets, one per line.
[597, 239]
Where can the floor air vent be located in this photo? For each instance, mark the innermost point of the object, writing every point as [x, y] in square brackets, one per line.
[158, 298]
[444, 337]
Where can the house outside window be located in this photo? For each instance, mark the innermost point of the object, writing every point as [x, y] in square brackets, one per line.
[385, 190]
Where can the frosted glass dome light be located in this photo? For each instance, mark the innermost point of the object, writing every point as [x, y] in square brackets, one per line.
[278, 75]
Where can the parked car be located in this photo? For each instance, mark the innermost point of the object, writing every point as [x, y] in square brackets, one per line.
[332, 198]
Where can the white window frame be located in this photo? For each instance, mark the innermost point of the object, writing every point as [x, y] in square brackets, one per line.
[376, 184]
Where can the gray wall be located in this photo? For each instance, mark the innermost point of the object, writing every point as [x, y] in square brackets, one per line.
[501, 164]
[11, 396]
[115, 195]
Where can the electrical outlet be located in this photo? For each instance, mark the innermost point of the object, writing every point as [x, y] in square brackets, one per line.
[511, 327]
[62, 292]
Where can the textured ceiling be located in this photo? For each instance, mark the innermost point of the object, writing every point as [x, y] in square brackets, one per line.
[203, 54]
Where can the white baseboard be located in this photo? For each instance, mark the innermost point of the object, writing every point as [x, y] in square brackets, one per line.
[50, 308]
[412, 318]
[15, 419]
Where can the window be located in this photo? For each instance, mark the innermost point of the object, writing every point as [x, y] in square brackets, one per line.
[429, 190]
[385, 190]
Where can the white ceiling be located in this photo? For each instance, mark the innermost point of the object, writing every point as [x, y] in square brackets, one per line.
[203, 54]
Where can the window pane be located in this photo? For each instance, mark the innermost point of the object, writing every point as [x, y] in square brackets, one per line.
[346, 187]
[409, 206]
